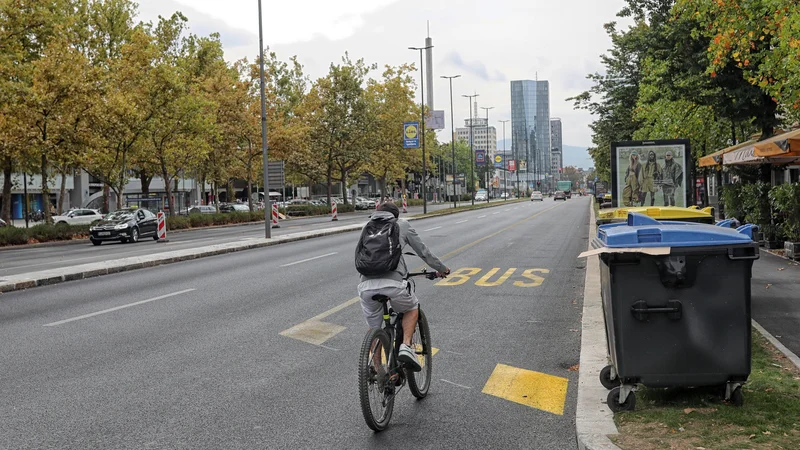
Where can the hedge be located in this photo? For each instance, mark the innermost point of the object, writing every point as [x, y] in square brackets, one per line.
[42, 233]
[775, 209]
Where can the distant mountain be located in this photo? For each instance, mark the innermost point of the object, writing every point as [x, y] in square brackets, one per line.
[573, 155]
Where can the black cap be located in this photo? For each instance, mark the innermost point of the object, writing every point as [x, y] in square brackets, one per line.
[390, 207]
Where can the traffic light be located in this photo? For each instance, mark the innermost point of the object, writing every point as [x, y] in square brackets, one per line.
[538, 183]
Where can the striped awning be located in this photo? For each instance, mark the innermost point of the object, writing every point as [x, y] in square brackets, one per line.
[715, 159]
[781, 149]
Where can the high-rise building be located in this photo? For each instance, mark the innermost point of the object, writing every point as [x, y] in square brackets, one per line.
[530, 127]
[482, 138]
[556, 143]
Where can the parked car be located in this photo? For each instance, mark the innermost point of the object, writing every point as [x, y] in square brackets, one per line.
[560, 195]
[78, 217]
[536, 195]
[234, 207]
[3, 223]
[125, 225]
[202, 209]
[505, 195]
[363, 203]
[481, 196]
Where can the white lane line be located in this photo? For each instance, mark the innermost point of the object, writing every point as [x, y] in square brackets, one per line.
[462, 221]
[456, 384]
[309, 259]
[431, 229]
[481, 217]
[496, 213]
[116, 308]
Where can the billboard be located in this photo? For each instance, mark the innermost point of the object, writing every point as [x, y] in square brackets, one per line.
[512, 165]
[411, 135]
[498, 161]
[435, 120]
[650, 173]
[480, 157]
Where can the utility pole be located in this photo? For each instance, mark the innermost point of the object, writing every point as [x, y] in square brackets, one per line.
[422, 125]
[453, 137]
[471, 151]
[487, 108]
[264, 150]
[505, 168]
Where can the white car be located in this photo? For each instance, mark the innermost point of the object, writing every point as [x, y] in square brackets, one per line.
[78, 217]
[536, 195]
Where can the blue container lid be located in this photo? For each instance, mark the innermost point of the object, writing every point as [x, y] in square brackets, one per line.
[643, 231]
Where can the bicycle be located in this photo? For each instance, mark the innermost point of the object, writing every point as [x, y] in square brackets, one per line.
[379, 382]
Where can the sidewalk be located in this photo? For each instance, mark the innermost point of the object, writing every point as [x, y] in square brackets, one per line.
[776, 298]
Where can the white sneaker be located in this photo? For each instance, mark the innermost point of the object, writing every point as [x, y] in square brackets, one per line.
[409, 357]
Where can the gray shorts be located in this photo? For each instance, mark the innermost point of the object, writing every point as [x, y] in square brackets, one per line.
[401, 300]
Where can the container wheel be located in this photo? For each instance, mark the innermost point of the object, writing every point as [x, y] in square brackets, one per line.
[737, 397]
[614, 404]
[605, 378]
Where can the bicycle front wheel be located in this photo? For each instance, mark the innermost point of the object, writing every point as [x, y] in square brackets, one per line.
[419, 382]
[374, 390]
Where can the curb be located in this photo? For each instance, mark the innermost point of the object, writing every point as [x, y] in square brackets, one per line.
[782, 348]
[90, 270]
[594, 422]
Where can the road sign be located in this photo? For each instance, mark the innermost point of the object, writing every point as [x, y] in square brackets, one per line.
[411, 135]
[480, 157]
[435, 120]
[498, 161]
[277, 177]
[512, 165]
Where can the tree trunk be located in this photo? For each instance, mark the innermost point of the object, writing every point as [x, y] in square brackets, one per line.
[106, 191]
[250, 184]
[123, 179]
[329, 177]
[145, 183]
[383, 186]
[45, 190]
[167, 187]
[344, 187]
[215, 193]
[8, 168]
[230, 195]
[63, 189]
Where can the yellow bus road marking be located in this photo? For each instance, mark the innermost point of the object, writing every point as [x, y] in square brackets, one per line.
[484, 281]
[464, 274]
[529, 388]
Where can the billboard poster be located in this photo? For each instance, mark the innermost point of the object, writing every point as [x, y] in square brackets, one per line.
[651, 173]
[410, 134]
[512, 165]
[480, 157]
[498, 161]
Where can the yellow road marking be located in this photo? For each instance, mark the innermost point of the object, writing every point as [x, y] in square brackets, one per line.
[458, 277]
[484, 280]
[529, 388]
[536, 279]
[314, 331]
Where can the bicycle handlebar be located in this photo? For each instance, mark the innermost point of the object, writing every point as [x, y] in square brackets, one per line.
[425, 273]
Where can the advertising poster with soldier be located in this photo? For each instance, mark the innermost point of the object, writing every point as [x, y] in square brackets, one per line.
[650, 173]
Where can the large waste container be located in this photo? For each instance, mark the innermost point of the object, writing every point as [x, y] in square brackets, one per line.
[690, 214]
[679, 316]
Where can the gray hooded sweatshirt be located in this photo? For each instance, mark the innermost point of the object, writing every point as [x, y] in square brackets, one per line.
[408, 237]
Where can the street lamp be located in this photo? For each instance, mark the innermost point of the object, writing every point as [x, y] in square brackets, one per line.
[264, 151]
[487, 108]
[505, 169]
[453, 137]
[422, 125]
[471, 151]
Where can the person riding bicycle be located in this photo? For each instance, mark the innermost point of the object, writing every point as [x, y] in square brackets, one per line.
[393, 285]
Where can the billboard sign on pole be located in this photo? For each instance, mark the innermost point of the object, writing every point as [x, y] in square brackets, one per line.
[411, 135]
[480, 157]
[498, 161]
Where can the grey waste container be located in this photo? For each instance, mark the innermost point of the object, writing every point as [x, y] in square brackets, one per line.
[681, 319]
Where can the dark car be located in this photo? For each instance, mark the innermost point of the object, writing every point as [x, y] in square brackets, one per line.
[559, 195]
[125, 225]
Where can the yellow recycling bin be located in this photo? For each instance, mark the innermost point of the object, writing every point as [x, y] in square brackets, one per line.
[690, 214]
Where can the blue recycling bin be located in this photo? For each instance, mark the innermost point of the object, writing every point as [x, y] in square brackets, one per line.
[678, 316]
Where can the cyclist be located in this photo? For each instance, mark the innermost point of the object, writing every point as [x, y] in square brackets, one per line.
[393, 285]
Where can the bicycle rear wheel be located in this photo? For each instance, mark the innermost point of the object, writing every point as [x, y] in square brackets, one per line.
[374, 390]
[419, 382]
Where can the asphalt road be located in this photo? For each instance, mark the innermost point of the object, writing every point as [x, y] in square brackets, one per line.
[14, 261]
[191, 355]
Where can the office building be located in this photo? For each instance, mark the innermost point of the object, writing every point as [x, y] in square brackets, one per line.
[556, 143]
[530, 127]
[483, 138]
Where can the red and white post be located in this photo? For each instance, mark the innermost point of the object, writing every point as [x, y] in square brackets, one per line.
[377, 203]
[334, 211]
[405, 204]
[162, 227]
[275, 216]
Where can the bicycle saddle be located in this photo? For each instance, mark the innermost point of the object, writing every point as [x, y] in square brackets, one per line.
[380, 298]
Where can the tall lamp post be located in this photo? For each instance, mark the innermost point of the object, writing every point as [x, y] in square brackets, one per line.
[264, 151]
[487, 108]
[505, 169]
[453, 137]
[471, 151]
[422, 125]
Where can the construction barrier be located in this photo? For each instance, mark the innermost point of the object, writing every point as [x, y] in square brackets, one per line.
[405, 205]
[275, 216]
[334, 212]
[162, 227]
[377, 203]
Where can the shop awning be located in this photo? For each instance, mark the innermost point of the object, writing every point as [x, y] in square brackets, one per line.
[781, 149]
[715, 158]
[742, 155]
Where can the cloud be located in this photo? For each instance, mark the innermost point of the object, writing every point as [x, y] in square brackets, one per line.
[476, 68]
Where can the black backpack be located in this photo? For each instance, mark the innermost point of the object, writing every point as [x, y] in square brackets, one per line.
[379, 249]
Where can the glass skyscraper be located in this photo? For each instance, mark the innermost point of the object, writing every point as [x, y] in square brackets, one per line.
[530, 127]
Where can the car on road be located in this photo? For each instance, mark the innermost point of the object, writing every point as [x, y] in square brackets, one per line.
[3, 223]
[560, 195]
[78, 217]
[481, 196]
[505, 195]
[202, 209]
[363, 203]
[234, 207]
[537, 196]
[125, 225]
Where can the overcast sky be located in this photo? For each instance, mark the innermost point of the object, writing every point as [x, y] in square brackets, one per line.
[489, 43]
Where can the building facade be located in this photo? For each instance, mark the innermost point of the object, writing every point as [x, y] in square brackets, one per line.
[557, 147]
[530, 127]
